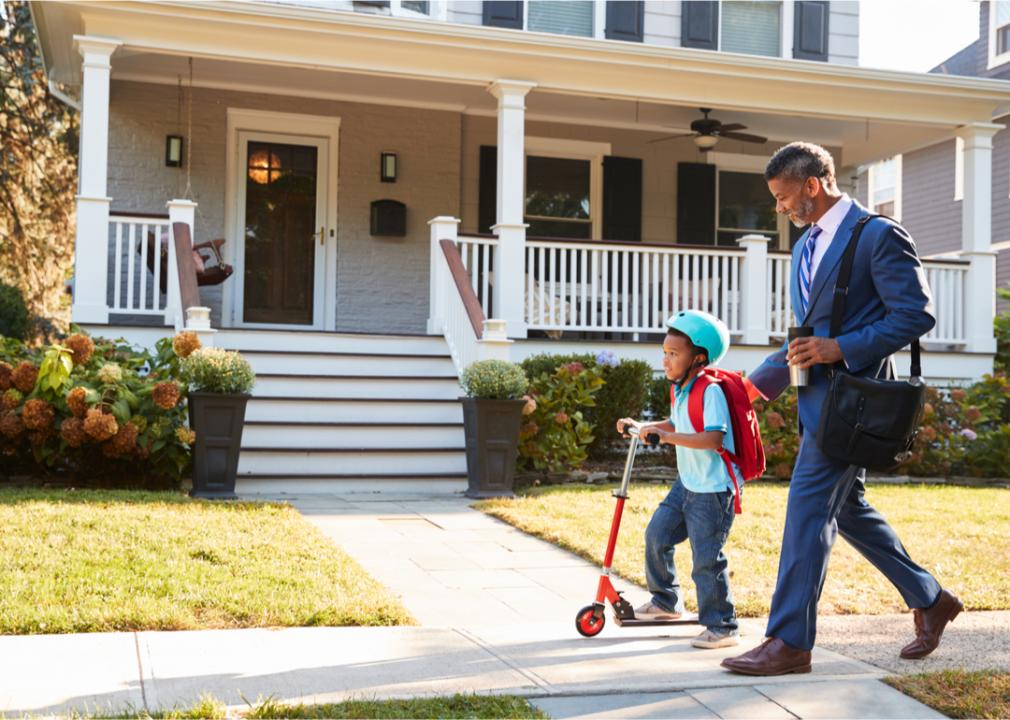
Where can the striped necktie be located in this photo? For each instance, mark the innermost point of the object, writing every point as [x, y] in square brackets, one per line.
[807, 266]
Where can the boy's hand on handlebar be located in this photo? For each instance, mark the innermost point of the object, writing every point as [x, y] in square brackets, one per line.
[657, 436]
[623, 424]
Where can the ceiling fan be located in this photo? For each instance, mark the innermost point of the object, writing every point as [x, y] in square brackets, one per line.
[706, 132]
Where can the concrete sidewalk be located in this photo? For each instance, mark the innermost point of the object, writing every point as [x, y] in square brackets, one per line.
[497, 611]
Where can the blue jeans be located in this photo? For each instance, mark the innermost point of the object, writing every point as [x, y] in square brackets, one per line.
[705, 520]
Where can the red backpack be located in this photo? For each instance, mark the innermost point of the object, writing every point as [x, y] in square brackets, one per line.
[750, 452]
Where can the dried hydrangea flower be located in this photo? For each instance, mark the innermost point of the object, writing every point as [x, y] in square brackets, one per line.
[11, 426]
[99, 425]
[11, 399]
[72, 432]
[81, 346]
[186, 343]
[77, 401]
[24, 376]
[165, 395]
[110, 373]
[38, 415]
[5, 376]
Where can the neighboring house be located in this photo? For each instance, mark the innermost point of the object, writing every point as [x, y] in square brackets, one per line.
[334, 144]
[928, 183]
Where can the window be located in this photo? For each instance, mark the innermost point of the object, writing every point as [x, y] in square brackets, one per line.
[745, 207]
[885, 187]
[558, 197]
[751, 27]
[574, 17]
[999, 32]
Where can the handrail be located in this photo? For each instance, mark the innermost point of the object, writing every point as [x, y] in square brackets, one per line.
[459, 276]
[604, 241]
[124, 213]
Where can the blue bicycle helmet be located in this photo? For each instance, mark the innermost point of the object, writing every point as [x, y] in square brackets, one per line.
[706, 331]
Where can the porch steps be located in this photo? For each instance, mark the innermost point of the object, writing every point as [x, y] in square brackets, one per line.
[333, 408]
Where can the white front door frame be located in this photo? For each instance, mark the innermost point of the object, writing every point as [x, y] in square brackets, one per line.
[291, 126]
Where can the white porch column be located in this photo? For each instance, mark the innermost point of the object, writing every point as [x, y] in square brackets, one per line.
[976, 236]
[509, 257]
[91, 244]
[442, 227]
[181, 211]
[754, 290]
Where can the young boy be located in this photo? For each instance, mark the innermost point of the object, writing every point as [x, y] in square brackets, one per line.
[699, 506]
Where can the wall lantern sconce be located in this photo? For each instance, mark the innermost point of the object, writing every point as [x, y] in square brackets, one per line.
[387, 167]
[173, 150]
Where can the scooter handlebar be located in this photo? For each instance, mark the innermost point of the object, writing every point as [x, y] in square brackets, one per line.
[635, 431]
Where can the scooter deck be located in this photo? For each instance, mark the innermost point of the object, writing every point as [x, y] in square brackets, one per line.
[635, 622]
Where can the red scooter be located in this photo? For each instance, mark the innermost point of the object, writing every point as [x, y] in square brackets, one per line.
[590, 620]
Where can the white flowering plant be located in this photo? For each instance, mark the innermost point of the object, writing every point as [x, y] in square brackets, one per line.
[494, 380]
[215, 370]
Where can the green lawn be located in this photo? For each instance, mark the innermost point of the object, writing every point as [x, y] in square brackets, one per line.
[95, 561]
[960, 694]
[957, 533]
[456, 706]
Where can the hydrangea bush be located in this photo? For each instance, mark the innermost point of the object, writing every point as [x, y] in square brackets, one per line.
[95, 411]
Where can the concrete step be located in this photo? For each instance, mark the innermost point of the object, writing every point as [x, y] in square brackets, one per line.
[292, 341]
[353, 434]
[294, 409]
[289, 363]
[350, 461]
[349, 386]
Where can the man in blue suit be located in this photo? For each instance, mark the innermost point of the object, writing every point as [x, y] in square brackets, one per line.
[888, 305]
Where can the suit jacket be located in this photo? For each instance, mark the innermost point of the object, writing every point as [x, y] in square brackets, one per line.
[888, 305]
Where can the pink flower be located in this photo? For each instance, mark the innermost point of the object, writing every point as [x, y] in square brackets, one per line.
[969, 434]
[561, 418]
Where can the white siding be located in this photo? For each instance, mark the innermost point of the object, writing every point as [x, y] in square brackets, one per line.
[843, 32]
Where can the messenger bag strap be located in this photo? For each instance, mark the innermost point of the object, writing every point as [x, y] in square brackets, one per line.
[842, 290]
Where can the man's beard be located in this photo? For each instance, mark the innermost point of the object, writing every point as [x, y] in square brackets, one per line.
[801, 218]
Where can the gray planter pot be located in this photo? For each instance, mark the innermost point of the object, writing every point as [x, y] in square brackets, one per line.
[218, 420]
[492, 441]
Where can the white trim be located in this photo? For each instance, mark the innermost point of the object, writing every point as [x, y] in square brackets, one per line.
[594, 152]
[871, 185]
[319, 126]
[994, 59]
[958, 168]
[437, 10]
[786, 20]
[600, 19]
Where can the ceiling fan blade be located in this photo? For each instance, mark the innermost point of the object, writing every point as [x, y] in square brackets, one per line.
[669, 137]
[744, 136]
[732, 127]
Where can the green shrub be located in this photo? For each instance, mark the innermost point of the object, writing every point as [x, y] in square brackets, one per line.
[214, 370]
[779, 433]
[623, 394]
[555, 434]
[494, 380]
[14, 321]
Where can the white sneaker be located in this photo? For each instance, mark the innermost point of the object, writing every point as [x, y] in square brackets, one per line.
[709, 639]
[651, 611]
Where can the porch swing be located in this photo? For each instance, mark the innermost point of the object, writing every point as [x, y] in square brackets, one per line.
[206, 274]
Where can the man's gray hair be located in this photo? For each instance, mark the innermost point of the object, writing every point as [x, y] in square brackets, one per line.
[801, 160]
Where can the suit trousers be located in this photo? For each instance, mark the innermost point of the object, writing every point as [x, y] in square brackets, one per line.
[827, 498]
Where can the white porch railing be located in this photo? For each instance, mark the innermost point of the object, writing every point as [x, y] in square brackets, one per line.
[138, 243]
[948, 281]
[633, 288]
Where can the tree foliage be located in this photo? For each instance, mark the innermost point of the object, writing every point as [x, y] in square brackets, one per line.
[38, 172]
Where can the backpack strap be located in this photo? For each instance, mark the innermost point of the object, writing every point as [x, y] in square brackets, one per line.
[696, 411]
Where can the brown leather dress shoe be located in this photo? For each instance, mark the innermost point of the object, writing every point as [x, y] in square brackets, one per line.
[772, 657]
[929, 625]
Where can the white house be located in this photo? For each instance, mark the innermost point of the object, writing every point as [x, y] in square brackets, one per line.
[333, 145]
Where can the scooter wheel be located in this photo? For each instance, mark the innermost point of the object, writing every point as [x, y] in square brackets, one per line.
[588, 623]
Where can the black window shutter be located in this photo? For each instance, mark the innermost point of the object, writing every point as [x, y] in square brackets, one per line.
[487, 194]
[504, 14]
[625, 20]
[699, 24]
[810, 31]
[695, 203]
[622, 198]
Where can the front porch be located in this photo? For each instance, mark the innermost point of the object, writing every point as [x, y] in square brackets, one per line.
[636, 248]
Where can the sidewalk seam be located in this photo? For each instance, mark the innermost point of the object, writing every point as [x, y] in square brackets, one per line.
[140, 671]
[775, 702]
[540, 682]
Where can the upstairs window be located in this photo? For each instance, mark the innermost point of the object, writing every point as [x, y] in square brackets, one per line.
[574, 17]
[999, 32]
[754, 28]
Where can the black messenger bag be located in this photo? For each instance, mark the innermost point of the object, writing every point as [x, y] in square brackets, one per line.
[868, 422]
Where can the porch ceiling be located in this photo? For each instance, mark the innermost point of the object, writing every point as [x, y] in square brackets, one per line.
[274, 48]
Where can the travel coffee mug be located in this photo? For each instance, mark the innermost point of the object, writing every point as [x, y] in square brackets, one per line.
[799, 377]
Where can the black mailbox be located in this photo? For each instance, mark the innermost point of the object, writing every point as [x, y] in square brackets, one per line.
[389, 217]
